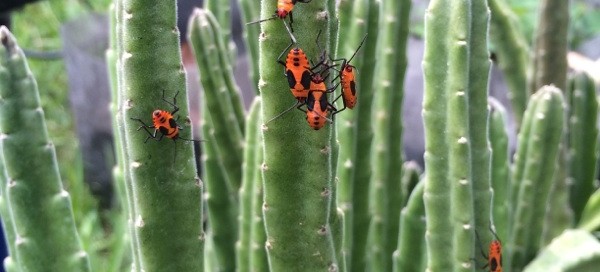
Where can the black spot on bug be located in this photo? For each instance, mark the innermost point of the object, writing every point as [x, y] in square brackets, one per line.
[291, 79]
[172, 123]
[305, 80]
[493, 264]
[353, 87]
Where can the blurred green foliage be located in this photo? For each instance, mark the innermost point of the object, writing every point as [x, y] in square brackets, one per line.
[585, 19]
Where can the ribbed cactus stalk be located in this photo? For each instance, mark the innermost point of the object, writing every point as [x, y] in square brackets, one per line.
[45, 237]
[511, 50]
[123, 153]
[535, 164]
[166, 188]
[410, 255]
[355, 128]
[582, 140]
[118, 171]
[386, 200]
[216, 81]
[411, 175]
[558, 214]
[500, 175]
[222, 13]
[220, 129]
[250, 11]
[246, 193]
[296, 170]
[456, 67]
[258, 237]
[549, 61]
[10, 262]
[222, 229]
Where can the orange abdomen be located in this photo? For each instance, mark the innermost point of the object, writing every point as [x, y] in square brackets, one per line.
[163, 121]
[316, 105]
[348, 86]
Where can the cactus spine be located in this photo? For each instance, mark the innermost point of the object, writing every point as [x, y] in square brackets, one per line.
[45, 237]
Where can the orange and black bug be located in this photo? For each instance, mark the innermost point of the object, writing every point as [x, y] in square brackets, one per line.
[164, 122]
[284, 8]
[494, 257]
[317, 108]
[297, 71]
[348, 80]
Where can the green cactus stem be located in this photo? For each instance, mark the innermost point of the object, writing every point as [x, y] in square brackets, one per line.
[10, 262]
[258, 238]
[120, 119]
[222, 13]
[387, 158]
[296, 170]
[549, 62]
[437, 187]
[123, 207]
[512, 51]
[535, 163]
[457, 194]
[500, 175]
[479, 69]
[410, 255]
[411, 175]
[590, 218]
[45, 236]
[582, 140]
[167, 190]
[249, 11]
[227, 73]
[558, 214]
[228, 133]
[348, 31]
[355, 130]
[246, 193]
[219, 201]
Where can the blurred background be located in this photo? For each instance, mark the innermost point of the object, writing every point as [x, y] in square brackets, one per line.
[65, 41]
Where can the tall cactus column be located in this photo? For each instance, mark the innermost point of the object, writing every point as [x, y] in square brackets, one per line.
[44, 229]
[387, 159]
[535, 165]
[457, 188]
[163, 176]
[296, 171]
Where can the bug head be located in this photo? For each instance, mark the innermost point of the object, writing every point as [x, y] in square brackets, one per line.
[156, 113]
[281, 13]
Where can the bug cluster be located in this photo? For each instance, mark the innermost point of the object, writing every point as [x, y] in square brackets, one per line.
[308, 81]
